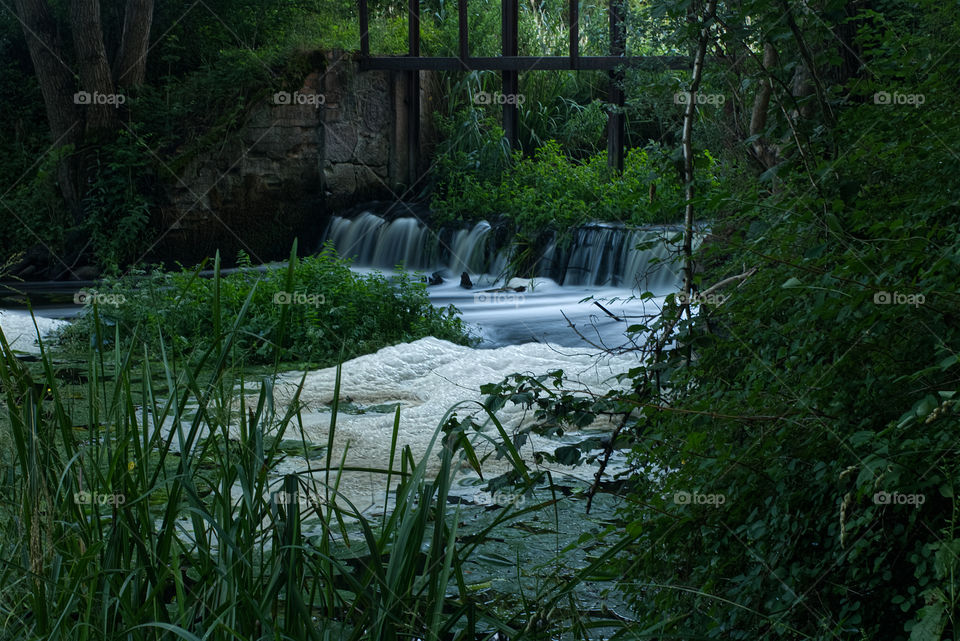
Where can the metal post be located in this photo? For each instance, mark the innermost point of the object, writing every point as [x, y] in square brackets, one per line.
[615, 119]
[413, 95]
[574, 32]
[510, 35]
[462, 23]
[364, 29]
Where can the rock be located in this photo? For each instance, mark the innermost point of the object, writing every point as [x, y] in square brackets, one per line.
[520, 284]
[465, 281]
[436, 279]
[87, 272]
[35, 263]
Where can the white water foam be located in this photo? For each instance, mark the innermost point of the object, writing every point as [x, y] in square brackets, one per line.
[426, 378]
[17, 327]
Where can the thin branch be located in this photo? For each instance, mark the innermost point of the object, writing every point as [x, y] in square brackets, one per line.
[727, 281]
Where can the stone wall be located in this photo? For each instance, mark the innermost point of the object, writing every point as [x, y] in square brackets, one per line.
[291, 166]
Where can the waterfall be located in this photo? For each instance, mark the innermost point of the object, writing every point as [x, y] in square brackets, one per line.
[599, 254]
[606, 254]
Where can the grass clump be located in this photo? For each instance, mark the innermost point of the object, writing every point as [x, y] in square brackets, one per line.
[316, 311]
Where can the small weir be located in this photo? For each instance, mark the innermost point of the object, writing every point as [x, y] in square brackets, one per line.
[597, 255]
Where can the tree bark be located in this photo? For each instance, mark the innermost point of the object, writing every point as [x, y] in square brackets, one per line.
[95, 76]
[765, 154]
[130, 66]
[55, 78]
[688, 116]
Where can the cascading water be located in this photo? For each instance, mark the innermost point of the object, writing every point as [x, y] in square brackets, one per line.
[610, 255]
[600, 255]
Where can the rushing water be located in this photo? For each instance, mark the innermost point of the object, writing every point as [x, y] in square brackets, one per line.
[18, 328]
[600, 254]
[605, 263]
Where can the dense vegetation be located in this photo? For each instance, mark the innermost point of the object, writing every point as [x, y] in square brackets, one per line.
[552, 192]
[315, 310]
[795, 448]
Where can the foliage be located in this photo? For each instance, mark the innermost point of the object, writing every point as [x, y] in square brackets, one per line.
[550, 191]
[31, 209]
[794, 433]
[116, 209]
[195, 39]
[317, 310]
[36, 209]
[201, 106]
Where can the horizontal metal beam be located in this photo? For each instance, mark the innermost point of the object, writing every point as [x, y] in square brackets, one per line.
[523, 63]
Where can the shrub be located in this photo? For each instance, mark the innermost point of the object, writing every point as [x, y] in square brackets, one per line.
[552, 192]
[330, 312]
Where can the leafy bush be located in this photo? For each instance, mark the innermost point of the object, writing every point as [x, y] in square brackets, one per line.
[116, 208]
[552, 192]
[799, 400]
[34, 210]
[330, 313]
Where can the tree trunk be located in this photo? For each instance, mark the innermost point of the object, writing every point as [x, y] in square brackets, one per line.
[55, 78]
[688, 115]
[764, 152]
[130, 67]
[95, 78]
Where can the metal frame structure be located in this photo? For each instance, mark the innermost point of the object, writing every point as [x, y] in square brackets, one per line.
[510, 64]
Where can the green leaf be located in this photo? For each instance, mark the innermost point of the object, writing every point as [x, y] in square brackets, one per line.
[926, 405]
[930, 625]
[567, 455]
